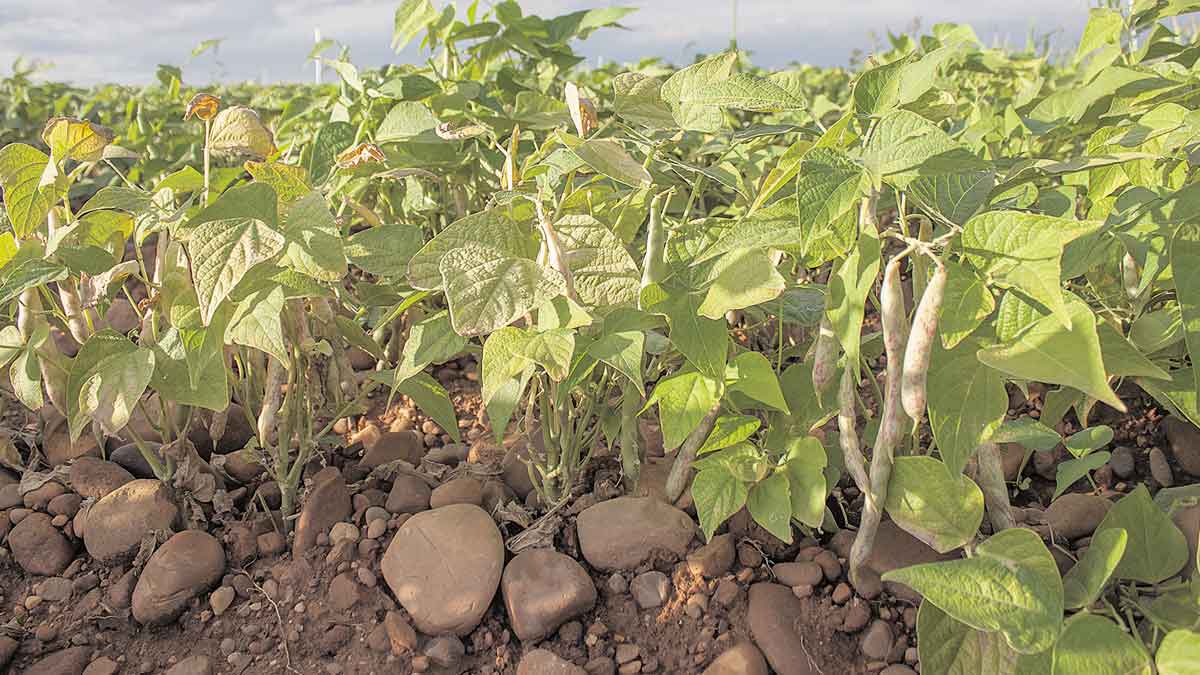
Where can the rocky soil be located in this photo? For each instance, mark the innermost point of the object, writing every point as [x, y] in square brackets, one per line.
[414, 554]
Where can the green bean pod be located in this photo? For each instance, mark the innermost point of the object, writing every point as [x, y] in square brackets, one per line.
[654, 266]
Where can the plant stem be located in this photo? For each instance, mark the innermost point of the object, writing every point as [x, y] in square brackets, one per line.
[207, 158]
[631, 446]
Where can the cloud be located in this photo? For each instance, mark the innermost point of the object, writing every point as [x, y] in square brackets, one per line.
[124, 40]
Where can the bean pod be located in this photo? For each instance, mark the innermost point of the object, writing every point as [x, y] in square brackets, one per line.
[920, 345]
[824, 356]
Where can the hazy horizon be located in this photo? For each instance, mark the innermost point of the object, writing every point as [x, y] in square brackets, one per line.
[269, 40]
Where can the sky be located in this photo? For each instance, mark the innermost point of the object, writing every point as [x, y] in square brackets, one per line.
[269, 40]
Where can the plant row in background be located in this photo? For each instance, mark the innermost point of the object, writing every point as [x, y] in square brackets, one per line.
[733, 250]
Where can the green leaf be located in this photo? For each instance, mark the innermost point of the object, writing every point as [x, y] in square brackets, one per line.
[937, 506]
[494, 228]
[718, 495]
[430, 341]
[406, 121]
[689, 83]
[504, 375]
[550, 349]
[703, 341]
[750, 374]
[902, 141]
[385, 250]
[1092, 438]
[608, 157]
[431, 398]
[623, 351]
[107, 377]
[604, 273]
[412, 16]
[1179, 653]
[1084, 582]
[26, 269]
[25, 373]
[1093, 645]
[256, 322]
[683, 400]
[967, 402]
[1066, 473]
[770, 504]
[1156, 549]
[289, 182]
[848, 290]
[1122, 359]
[953, 197]
[742, 278]
[637, 98]
[828, 190]
[330, 140]
[26, 201]
[744, 92]
[966, 303]
[313, 242]
[728, 431]
[1010, 585]
[805, 463]
[1185, 262]
[222, 251]
[1027, 432]
[172, 379]
[1024, 250]
[487, 290]
[1104, 27]
[877, 90]
[949, 647]
[1048, 352]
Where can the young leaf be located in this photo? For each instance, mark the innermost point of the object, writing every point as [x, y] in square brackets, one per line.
[1092, 438]
[412, 16]
[108, 376]
[1156, 548]
[623, 350]
[1066, 473]
[1028, 432]
[1122, 359]
[551, 349]
[429, 396]
[431, 340]
[505, 373]
[683, 399]
[750, 374]
[1093, 645]
[770, 504]
[1011, 585]
[1048, 352]
[718, 494]
[937, 506]
[728, 431]
[1083, 583]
